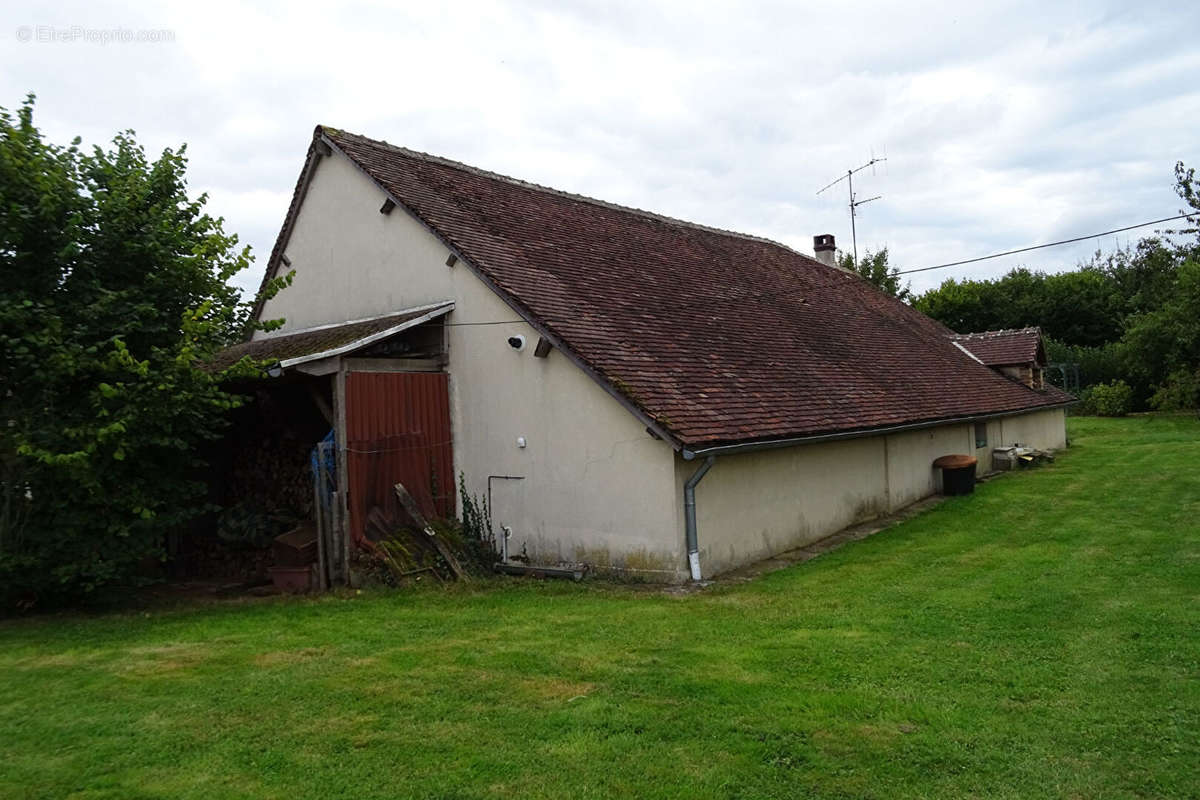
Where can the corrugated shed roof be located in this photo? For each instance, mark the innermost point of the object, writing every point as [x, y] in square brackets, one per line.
[316, 343]
[720, 337]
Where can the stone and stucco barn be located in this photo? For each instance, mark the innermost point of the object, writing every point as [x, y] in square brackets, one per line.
[601, 364]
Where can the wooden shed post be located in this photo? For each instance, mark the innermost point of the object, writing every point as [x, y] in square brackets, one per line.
[342, 528]
[319, 514]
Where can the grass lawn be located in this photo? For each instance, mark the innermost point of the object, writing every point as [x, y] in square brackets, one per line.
[1038, 639]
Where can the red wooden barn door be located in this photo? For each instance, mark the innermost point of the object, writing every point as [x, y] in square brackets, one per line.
[398, 431]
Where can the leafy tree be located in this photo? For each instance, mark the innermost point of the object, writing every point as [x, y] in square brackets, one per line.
[1185, 187]
[965, 306]
[1163, 346]
[1144, 276]
[1132, 314]
[1180, 389]
[874, 267]
[1082, 307]
[1077, 308]
[116, 289]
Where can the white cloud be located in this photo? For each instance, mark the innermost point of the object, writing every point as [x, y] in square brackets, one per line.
[1003, 126]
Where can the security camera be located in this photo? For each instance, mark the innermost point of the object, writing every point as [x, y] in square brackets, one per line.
[516, 343]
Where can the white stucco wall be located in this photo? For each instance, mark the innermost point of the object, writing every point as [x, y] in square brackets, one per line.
[754, 505]
[352, 262]
[596, 487]
[910, 456]
[1046, 430]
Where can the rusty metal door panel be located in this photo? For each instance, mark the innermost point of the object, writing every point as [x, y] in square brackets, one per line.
[398, 431]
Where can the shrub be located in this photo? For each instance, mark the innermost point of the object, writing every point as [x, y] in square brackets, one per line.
[1106, 399]
[1180, 392]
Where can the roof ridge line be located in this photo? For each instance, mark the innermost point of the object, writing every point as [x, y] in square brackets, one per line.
[998, 332]
[485, 173]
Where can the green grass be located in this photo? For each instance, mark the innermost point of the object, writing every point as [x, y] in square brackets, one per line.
[1040, 638]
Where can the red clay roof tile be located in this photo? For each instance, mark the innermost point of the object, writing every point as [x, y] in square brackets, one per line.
[1006, 347]
[718, 336]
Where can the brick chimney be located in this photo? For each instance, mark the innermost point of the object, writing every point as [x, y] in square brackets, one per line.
[825, 249]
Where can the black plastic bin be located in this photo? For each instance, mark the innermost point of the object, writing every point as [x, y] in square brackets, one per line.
[958, 474]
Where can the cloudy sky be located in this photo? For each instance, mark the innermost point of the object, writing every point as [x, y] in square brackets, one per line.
[1014, 125]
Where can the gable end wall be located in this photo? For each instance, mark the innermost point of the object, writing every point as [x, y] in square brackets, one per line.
[596, 487]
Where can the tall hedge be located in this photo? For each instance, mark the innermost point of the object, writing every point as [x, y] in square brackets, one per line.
[116, 288]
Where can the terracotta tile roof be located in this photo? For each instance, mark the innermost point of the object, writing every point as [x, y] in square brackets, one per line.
[304, 345]
[1014, 346]
[720, 337]
[1056, 396]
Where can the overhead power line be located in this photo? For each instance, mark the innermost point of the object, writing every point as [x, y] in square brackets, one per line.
[1040, 246]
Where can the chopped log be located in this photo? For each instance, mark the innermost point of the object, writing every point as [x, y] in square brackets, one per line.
[414, 511]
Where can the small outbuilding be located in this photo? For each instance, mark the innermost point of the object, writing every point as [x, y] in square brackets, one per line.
[1018, 353]
[626, 390]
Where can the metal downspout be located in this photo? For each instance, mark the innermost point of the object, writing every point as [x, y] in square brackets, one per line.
[689, 515]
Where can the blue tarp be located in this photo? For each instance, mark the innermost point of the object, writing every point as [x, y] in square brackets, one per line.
[326, 451]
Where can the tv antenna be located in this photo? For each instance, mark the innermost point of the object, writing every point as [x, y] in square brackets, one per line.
[854, 201]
